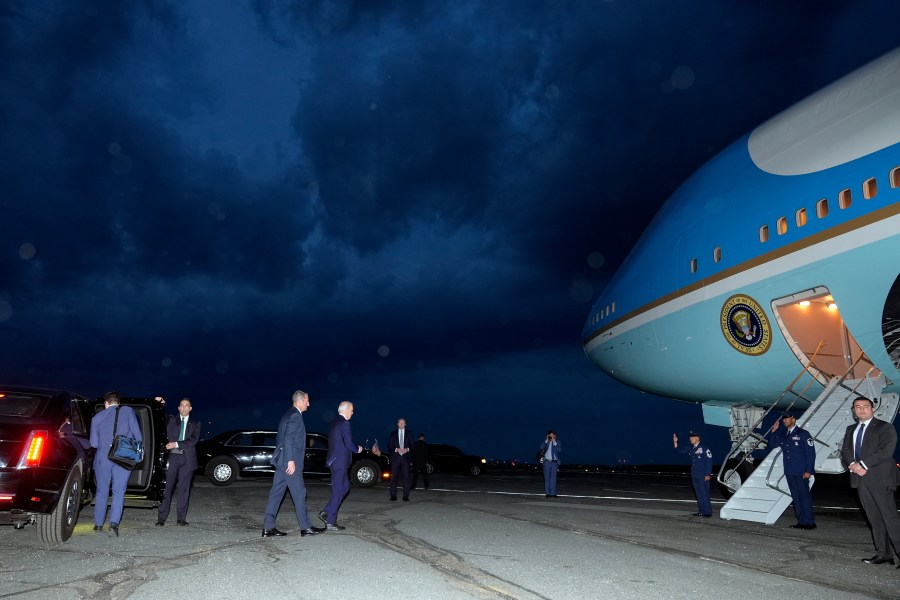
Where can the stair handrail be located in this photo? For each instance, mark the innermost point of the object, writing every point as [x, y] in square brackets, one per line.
[808, 415]
[751, 431]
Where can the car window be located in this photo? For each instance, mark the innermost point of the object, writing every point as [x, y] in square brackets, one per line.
[269, 439]
[78, 420]
[241, 439]
[19, 405]
[316, 441]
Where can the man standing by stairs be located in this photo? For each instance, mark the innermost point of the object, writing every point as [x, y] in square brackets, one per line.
[868, 452]
[701, 471]
[799, 456]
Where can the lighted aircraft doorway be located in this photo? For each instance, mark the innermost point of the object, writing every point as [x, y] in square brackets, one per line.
[810, 318]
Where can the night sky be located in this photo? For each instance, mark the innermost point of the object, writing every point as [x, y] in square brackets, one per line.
[407, 205]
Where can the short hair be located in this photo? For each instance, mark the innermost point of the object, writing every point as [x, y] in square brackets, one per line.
[869, 400]
[344, 406]
[549, 431]
[111, 397]
[188, 400]
[298, 395]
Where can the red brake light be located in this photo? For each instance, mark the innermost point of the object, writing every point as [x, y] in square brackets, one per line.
[34, 449]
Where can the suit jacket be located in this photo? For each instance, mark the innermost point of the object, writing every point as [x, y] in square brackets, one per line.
[877, 452]
[340, 444]
[102, 429]
[554, 450]
[290, 444]
[409, 441]
[419, 453]
[188, 446]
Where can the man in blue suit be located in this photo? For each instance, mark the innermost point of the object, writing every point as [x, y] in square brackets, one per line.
[549, 453]
[799, 457]
[340, 453]
[399, 443]
[701, 471]
[106, 472]
[290, 450]
[182, 433]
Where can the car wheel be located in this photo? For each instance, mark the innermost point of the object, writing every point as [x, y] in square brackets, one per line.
[223, 470]
[364, 473]
[429, 468]
[475, 470]
[58, 526]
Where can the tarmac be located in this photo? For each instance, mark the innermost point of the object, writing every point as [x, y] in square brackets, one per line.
[606, 535]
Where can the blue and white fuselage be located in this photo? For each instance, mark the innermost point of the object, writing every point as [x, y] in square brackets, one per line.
[707, 306]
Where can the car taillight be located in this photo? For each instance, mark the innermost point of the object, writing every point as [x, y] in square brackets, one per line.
[34, 449]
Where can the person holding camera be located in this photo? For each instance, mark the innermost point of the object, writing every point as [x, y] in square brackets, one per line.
[549, 453]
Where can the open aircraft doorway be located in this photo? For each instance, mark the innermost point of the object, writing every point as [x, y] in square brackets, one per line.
[812, 326]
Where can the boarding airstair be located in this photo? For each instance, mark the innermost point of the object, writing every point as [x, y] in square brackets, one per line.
[764, 494]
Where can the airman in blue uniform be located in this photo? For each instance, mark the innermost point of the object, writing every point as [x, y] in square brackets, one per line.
[701, 471]
[799, 455]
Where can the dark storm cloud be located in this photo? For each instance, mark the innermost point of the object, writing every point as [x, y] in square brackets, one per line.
[410, 205]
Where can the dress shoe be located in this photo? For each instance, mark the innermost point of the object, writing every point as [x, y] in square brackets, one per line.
[803, 526]
[406, 499]
[877, 560]
[311, 531]
[323, 517]
[182, 522]
[696, 514]
[334, 527]
[98, 527]
[114, 527]
[272, 532]
[393, 498]
[160, 523]
[706, 516]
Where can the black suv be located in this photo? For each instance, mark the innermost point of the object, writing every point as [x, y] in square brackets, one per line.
[246, 453]
[446, 458]
[46, 462]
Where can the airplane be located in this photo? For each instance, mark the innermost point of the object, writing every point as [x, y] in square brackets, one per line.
[773, 268]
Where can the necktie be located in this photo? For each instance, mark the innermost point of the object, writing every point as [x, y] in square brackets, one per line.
[401, 438]
[857, 450]
[183, 427]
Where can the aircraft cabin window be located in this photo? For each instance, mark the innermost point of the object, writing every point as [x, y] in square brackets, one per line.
[895, 177]
[693, 265]
[801, 217]
[845, 199]
[822, 208]
[870, 188]
[782, 226]
[764, 234]
[614, 307]
[717, 254]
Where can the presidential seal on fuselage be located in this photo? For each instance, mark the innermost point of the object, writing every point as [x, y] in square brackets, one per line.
[745, 325]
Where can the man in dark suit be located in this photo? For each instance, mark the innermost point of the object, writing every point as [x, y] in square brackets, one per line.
[399, 442]
[290, 450]
[419, 456]
[340, 453]
[122, 421]
[182, 433]
[868, 452]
